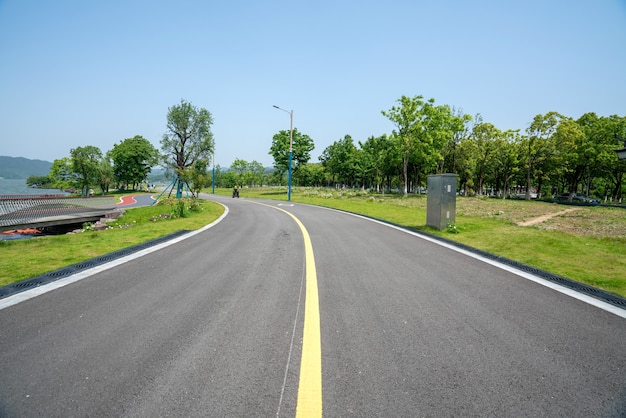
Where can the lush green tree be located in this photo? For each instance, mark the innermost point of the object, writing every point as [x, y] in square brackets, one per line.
[311, 174]
[105, 176]
[341, 160]
[601, 136]
[539, 147]
[61, 174]
[86, 166]
[410, 118]
[484, 135]
[39, 181]
[302, 145]
[188, 138]
[506, 160]
[196, 176]
[240, 168]
[461, 127]
[380, 159]
[257, 173]
[132, 160]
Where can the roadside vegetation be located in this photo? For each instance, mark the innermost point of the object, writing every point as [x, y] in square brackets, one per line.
[586, 244]
[26, 258]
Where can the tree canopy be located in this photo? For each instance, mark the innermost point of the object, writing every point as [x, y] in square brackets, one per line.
[132, 160]
[188, 137]
[302, 145]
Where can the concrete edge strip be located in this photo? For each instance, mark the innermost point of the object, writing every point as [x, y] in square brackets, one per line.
[40, 290]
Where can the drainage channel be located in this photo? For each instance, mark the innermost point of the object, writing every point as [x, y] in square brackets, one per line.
[52, 276]
[591, 291]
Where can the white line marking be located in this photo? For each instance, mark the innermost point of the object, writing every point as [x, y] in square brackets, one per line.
[40, 290]
[547, 283]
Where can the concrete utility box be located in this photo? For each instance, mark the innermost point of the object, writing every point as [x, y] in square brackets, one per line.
[441, 206]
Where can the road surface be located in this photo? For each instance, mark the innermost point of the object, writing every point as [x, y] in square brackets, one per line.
[214, 326]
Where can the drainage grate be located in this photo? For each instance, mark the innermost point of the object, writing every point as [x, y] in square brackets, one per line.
[563, 281]
[84, 265]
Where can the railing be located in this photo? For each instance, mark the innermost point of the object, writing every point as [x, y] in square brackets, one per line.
[44, 210]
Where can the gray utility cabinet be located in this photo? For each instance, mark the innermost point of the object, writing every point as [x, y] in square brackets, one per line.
[441, 206]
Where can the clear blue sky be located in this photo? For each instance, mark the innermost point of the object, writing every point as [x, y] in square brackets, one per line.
[76, 73]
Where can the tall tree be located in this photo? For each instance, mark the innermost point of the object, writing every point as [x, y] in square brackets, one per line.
[106, 174]
[188, 137]
[410, 117]
[540, 146]
[341, 159]
[506, 160]
[132, 160]
[302, 146]
[485, 136]
[86, 165]
[62, 174]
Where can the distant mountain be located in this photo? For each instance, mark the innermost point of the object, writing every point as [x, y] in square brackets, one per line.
[22, 168]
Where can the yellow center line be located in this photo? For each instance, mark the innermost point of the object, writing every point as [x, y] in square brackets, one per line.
[310, 385]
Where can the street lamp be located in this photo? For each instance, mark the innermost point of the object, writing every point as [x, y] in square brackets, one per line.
[213, 173]
[290, 149]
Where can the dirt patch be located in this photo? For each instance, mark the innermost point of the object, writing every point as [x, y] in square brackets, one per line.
[543, 218]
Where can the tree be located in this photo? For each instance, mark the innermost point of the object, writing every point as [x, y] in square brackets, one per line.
[240, 168]
[461, 129]
[506, 160]
[410, 119]
[188, 138]
[257, 173]
[105, 175]
[377, 150]
[196, 176]
[539, 147]
[341, 160]
[311, 174]
[132, 160]
[302, 146]
[485, 136]
[86, 165]
[61, 173]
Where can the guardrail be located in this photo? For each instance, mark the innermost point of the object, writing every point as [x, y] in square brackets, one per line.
[17, 211]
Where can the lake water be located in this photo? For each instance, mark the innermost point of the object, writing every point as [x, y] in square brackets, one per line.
[18, 186]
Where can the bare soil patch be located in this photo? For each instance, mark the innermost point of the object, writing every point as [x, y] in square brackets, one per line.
[544, 218]
[593, 221]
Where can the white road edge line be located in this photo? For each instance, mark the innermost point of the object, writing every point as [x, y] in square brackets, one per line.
[547, 283]
[40, 290]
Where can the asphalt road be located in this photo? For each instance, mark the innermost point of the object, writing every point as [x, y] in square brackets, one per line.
[213, 326]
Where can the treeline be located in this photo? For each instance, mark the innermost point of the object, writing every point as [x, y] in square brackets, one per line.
[186, 150]
[555, 154]
[127, 165]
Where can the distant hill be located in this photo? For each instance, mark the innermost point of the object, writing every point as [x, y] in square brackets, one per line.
[22, 168]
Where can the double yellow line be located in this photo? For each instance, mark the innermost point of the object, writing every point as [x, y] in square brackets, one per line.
[310, 385]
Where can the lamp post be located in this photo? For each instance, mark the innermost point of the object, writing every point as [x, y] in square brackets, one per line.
[290, 149]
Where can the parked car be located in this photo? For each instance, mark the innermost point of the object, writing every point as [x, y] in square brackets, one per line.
[576, 199]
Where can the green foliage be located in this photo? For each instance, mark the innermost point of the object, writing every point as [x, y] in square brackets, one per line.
[40, 181]
[86, 166]
[189, 137]
[302, 145]
[132, 160]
